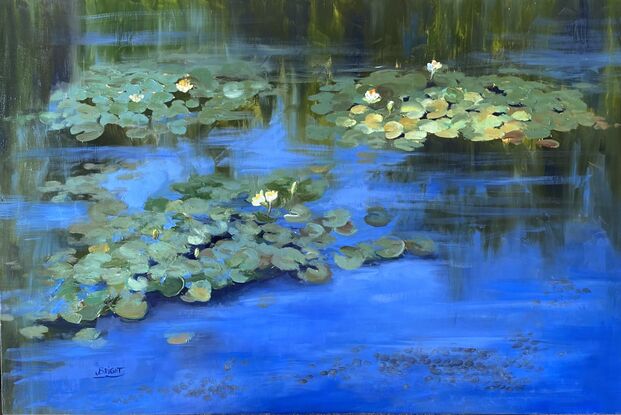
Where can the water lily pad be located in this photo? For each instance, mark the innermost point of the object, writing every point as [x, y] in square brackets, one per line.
[345, 122]
[177, 127]
[246, 259]
[351, 258]
[233, 90]
[390, 247]
[393, 129]
[162, 251]
[298, 213]
[288, 259]
[179, 338]
[170, 286]
[346, 230]
[87, 131]
[87, 334]
[137, 284]
[336, 218]
[421, 246]
[359, 109]
[373, 122]
[377, 216]
[131, 307]
[313, 230]
[199, 291]
[322, 107]
[315, 273]
[34, 332]
[436, 108]
[413, 110]
[521, 116]
[93, 305]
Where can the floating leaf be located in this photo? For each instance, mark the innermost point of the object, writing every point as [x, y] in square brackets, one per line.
[392, 130]
[87, 334]
[336, 218]
[298, 213]
[377, 216]
[179, 338]
[138, 284]
[413, 110]
[359, 109]
[521, 116]
[34, 332]
[345, 122]
[233, 90]
[177, 127]
[131, 307]
[288, 259]
[421, 246]
[170, 286]
[351, 258]
[347, 230]
[199, 291]
[390, 247]
[315, 273]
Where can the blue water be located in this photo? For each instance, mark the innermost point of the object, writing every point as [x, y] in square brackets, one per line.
[520, 319]
[519, 312]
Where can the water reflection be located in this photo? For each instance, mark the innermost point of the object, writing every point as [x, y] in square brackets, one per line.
[528, 240]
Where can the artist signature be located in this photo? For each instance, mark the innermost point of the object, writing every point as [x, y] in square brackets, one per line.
[109, 372]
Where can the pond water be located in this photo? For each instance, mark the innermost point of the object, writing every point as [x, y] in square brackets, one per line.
[520, 310]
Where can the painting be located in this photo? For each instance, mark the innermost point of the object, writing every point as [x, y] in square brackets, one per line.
[310, 206]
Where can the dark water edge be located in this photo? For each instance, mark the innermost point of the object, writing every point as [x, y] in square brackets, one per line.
[520, 311]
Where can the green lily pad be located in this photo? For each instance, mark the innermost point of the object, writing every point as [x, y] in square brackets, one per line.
[34, 332]
[170, 286]
[246, 259]
[421, 246]
[346, 230]
[93, 305]
[298, 213]
[521, 116]
[377, 216]
[87, 334]
[199, 291]
[335, 218]
[393, 129]
[131, 307]
[390, 247]
[288, 259]
[351, 258]
[177, 127]
[315, 273]
[313, 230]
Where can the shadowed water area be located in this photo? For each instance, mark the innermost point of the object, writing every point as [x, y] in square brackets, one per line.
[516, 310]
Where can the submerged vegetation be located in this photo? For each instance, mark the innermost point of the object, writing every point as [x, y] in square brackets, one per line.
[402, 109]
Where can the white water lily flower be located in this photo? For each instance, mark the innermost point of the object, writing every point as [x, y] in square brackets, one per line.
[258, 199]
[433, 66]
[136, 97]
[371, 96]
[184, 85]
[271, 195]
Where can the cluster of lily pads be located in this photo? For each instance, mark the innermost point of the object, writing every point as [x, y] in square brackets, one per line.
[215, 235]
[391, 107]
[143, 102]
